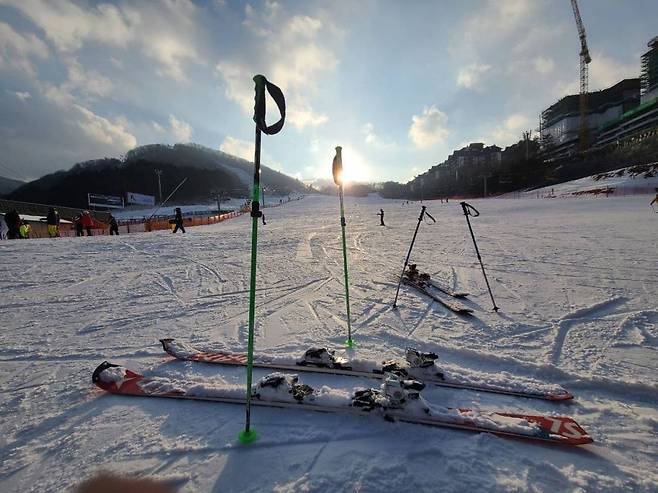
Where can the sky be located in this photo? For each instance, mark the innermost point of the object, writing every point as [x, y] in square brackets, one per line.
[399, 85]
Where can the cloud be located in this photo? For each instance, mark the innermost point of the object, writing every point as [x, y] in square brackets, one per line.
[301, 115]
[104, 131]
[606, 71]
[182, 131]
[17, 49]
[428, 128]
[23, 96]
[163, 31]
[470, 76]
[544, 65]
[510, 132]
[237, 147]
[294, 58]
[373, 139]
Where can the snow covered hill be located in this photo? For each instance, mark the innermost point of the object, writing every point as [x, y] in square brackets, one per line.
[632, 180]
[576, 280]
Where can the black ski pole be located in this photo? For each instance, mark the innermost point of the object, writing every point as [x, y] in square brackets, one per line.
[423, 212]
[468, 209]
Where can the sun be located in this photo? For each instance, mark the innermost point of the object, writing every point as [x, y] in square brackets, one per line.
[355, 168]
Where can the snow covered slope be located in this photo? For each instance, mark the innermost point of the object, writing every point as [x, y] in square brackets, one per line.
[576, 280]
[633, 180]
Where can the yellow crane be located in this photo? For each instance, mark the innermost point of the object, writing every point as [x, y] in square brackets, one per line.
[585, 59]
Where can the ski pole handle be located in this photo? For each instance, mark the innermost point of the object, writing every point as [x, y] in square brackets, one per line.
[422, 213]
[469, 209]
[260, 109]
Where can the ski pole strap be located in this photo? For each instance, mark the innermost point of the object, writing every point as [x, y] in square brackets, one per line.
[430, 216]
[469, 209]
[259, 109]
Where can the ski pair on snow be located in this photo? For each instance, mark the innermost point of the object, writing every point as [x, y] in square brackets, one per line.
[423, 283]
[395, 400]
[416, 365]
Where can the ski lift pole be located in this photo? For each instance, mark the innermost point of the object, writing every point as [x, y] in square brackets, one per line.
[468, 211]
[337, 170]
[167, 199]
[248, 435]
[423, 213]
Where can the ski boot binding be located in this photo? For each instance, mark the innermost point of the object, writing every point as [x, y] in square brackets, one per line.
[282, 384]
[323, 358]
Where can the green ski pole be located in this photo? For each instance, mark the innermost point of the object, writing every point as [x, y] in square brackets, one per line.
[248, 435]
[337, 169]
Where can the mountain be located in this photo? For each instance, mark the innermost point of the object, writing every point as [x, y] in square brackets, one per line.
[207, 171]
[8, 185]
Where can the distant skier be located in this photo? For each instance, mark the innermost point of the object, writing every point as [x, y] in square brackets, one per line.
[87, 222]
[381, 217]
[114, 226]
[13, 221]
[24, 230]
[77, 222]
[655, 199]
[52, 220]
[178, 220]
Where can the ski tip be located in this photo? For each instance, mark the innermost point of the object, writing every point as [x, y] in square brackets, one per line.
[562, 396]
[247, 436]
[96, 376]
[166, 341]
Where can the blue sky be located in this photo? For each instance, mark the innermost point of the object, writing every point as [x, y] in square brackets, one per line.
[398, 84]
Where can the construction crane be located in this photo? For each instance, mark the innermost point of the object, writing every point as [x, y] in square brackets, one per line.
[585, 59]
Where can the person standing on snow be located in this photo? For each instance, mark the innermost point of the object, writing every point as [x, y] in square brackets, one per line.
[13, 221]
[77, 222]
[178, 221]
[52, 220]
[87, 222]
[114, 226]
[24, 230]
[381, 217]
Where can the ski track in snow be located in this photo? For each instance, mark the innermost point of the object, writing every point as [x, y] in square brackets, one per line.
[576, 280]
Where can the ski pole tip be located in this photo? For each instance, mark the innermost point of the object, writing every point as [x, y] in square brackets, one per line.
[349, 343]
[247, 436]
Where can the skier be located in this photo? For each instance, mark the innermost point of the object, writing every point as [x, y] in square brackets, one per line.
[77, 222]
[114, 226]
[655, 199]
[13, 221]
[24, 230]
[178, 221]
[3, 228]
[52, 220]
[381, 217]
[87, 222]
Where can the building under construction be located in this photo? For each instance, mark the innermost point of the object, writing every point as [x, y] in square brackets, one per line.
[560, 122]
[649, 76]
[627, 111]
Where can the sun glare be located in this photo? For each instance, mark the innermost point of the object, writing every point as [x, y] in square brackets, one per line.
[355, 168]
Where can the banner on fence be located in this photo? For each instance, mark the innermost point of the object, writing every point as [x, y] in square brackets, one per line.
[133, 198]
[108, 201]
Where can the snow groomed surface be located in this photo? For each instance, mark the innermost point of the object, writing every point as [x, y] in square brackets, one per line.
[576, 280]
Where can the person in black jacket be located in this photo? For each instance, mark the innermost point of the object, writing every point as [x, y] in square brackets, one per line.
[52, 220]
[114, 226]
[13, 221]
[178, 220]
[381, 217]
